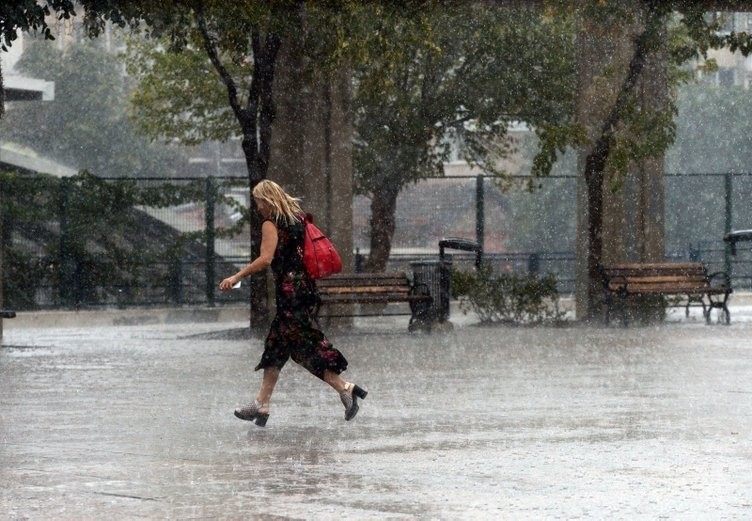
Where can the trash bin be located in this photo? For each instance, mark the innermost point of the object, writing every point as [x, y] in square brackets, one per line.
[434, 276]
[445, 269]
[455, 243]
[737, 236]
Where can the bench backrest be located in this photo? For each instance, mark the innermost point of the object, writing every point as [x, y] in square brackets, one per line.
[396, 282]
[656, 276]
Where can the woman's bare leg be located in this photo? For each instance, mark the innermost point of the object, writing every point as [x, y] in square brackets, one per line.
[268, 382]
[258, 411]
[348, 393]
[336, 381]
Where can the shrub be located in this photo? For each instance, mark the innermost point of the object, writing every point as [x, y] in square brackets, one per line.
[509, 298]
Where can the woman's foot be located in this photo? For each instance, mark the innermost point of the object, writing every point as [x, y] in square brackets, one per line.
[256, 411]
[349, 399]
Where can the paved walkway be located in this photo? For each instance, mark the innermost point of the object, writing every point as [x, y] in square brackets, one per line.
[135, 422]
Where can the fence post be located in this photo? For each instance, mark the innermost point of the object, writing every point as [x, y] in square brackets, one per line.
[176, 280]
[479, 211]
[210, 236]
[358, 261]
[66, 264]
[533, 264]
[728, 182]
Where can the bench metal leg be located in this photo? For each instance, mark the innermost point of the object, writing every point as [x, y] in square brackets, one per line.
[722, 307]
[701, 300]
[419, 325]
[624, 309]
[423, 313]
[609, 302]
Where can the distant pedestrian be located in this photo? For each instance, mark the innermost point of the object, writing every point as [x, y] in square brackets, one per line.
[293, 332]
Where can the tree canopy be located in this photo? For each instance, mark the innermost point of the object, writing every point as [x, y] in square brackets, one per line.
[452, 78]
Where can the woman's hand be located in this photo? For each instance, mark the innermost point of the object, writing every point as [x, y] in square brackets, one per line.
[269, 240]
[228, 283]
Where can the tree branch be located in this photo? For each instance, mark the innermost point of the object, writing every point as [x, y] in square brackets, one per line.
[210, 47]
[267, 112]
[254, 88]
[2, 93]
[636, 65]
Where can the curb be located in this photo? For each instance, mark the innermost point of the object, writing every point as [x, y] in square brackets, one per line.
[125, 317]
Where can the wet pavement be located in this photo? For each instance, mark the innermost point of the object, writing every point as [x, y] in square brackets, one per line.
[135, 422]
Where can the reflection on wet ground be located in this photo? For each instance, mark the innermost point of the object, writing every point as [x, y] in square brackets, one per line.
[474, 423]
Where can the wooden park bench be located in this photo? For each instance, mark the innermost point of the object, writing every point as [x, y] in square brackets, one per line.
[690, 282]
[375, 288]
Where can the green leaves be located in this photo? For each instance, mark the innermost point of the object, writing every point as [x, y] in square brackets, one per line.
[507, 298]
[29, 15]
[179, 95]
[456, 73]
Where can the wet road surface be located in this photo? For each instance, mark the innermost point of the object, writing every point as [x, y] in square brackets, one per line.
[135, 422]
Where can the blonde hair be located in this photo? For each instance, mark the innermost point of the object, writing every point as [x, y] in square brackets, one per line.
[284, 206]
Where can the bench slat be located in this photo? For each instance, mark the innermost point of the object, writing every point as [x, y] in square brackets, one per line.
[665, 288]
[364, 289]
[372, 299]
[384, 281]
[641, 266]
[651, 274]
[365, 274]
[361, 276]
[357, 285]
[658, 279]
[668, 290]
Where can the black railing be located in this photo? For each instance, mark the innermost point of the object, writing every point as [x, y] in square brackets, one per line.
[185, 284]
[63, 274]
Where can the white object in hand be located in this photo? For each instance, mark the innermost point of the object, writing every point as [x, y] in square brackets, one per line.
[236, 285]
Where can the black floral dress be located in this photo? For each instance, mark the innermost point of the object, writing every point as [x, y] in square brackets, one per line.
[293, 333]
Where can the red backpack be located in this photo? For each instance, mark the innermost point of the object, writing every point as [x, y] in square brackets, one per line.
[320, 258]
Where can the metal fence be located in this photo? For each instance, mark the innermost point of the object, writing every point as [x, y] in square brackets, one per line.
[61, 251]
[82, 241]
[534, 232]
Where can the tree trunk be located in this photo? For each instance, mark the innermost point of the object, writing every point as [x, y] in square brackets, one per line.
[383, 207]
[255, 120]
[2, 247]
[595, 165]
[2, 93]
[259, 299]
[596, 161]
[259, 115]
